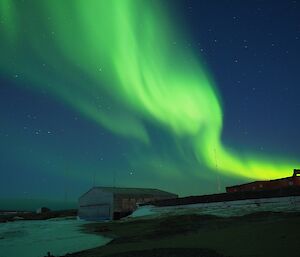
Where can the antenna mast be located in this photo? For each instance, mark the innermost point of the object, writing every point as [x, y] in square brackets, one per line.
[217, 169]
[94, 179]
[114, 179]
[66, 186]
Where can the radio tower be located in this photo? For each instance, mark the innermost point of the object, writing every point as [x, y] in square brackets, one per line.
[94, 178]
[66, 186]
[217, 169]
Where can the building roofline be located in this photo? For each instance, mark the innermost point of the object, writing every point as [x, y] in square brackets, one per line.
[263, 181]
[111, 189]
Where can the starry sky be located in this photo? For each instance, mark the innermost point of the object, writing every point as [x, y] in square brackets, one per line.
[185, 96]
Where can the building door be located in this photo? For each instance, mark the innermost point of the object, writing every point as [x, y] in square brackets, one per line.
[95, 212]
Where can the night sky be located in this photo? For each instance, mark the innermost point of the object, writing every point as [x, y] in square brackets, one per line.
[184, 96]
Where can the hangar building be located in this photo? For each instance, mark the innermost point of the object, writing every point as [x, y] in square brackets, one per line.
[107, 203]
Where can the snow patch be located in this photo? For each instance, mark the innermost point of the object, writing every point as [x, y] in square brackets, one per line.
[36, 238]
[224, 209]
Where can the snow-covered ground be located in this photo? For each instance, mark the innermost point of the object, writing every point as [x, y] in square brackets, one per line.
[225, 209]
[36, 238]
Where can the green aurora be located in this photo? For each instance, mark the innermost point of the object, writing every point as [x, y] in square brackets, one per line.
[124, 51]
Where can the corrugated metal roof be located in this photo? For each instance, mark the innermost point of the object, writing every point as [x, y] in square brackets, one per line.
[132, 191]
[127, 190]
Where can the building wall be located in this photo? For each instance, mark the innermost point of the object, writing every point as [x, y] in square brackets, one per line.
[96, 204]
[127, 202]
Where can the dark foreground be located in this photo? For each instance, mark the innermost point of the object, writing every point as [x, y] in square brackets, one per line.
[261, 235]
[167, 252]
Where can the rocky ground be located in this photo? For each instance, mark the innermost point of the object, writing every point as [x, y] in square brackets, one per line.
[265, 234]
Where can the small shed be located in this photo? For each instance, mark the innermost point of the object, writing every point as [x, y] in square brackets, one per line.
[42, 210]
[107, 203]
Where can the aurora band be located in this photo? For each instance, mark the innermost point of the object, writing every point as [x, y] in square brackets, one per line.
[127, 51]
